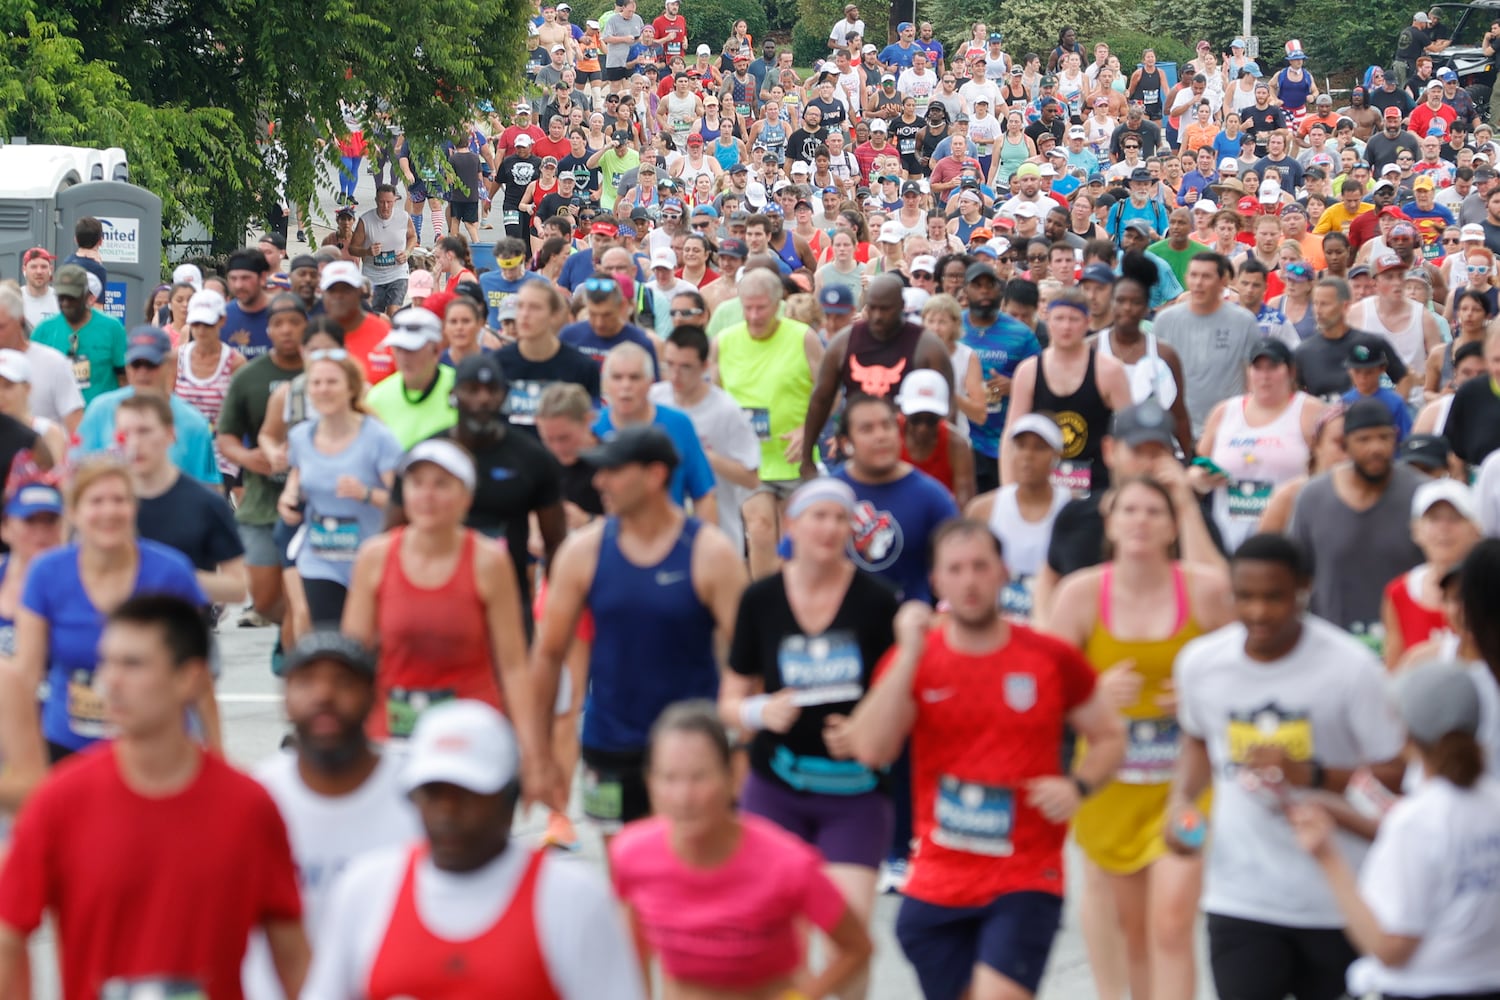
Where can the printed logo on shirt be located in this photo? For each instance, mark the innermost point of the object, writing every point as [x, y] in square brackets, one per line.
[1270, 725]
[1075, 433]
[876, 380]
[1020, 692]
[877, 541]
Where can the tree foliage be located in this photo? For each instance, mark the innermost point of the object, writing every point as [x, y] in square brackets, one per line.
[710, 23]
[1029, 25]
[212, 101]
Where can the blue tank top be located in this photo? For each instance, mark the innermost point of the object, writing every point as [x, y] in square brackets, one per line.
[788, 253]
[773, 137]
[1293, 93]
[728, 156]
[709, 134]
[966, 228]
[653, 642]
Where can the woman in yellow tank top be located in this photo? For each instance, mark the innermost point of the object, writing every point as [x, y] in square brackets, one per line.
[1131, 616]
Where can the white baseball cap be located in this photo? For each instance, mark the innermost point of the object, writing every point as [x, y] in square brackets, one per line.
[664, 257]
[924, 391]
[414, 328]
[341, 272]
[206, 307]
[890, 232]
[924, 262]
[15, 367]
[465, 743]
[444, 454]
[1205, 205]
[1042, 427]
[1229, 165]
[1449, 491]
[1471, 233]
[188, 274]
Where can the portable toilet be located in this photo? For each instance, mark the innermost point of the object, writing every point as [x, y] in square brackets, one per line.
[131, 250]
[116, 165]
[33, 178]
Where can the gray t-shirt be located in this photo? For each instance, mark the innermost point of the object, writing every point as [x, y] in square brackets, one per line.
[1214, 350]
[1356, 553]
[335, 526]
[1325, 701]
[615, 25]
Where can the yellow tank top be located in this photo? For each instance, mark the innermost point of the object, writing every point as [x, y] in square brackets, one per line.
[1120, 827]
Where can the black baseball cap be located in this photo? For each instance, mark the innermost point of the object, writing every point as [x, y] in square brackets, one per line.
[247, 260]
[1143, 423]
[330, 644]
[643, 444]
[979, 271]
[1273, 349]
[1362, 356]
[304, 260]
[482, 368]
[1366, 413]
[1425, 451]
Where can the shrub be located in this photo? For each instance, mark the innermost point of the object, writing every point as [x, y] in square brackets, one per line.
[1129, 44]
[815, 18]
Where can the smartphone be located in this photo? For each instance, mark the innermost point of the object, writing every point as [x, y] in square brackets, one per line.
[1210, 466]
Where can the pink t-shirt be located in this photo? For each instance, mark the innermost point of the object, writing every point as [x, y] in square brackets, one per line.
[731, 927]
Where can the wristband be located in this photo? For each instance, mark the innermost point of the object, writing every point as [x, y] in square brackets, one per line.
[753, 711]
[1084, 791]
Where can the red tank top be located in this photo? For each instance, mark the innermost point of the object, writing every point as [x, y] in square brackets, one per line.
[503, 961]
[434, 643]
[937, 464]
[1418, 622]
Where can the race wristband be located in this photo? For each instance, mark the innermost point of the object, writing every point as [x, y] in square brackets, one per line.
[753, 712]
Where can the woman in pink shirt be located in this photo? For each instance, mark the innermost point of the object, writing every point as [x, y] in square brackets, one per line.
[720, 898]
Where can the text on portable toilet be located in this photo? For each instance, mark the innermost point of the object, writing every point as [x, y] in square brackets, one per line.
[122, 241]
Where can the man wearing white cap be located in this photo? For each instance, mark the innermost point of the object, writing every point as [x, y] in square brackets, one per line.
[466, 912]
[931, 442]
[415, 402]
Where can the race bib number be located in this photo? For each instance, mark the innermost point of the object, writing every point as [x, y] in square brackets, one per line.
[385, 258]
[334, 538]
[743, 110]
[974, 818]
[404, 706]
[760, 421]
[524, 399]
[1248, 498]
[1075, 476]
[821, 670]
[83, 372]
[1150, 752]
[908, 146]
[1018, 598]
[603, 798]
[86, 707]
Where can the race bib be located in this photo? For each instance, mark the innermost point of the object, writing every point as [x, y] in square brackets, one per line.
[1150, 752]
[86, 707]
[524, 399]
[404, 706]
[83, 372]
[1018, 598]
[974, 818]
[603, 798]
[334, 538]
[743, 110]
[152, 988]
[908, 145]
[821, 670]
[760, 421]
[385, 258]
[1248, 498]
[1075, 476]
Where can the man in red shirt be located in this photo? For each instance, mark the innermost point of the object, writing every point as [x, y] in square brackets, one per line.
[154, 857]
[671, 30]
[984, 702]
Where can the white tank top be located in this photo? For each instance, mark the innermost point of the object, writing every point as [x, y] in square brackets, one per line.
[383, 268]
[1150, 376]
[1409, 343]
[1445, 406]
[1258, 459]
[960, 359]
[1025, 545]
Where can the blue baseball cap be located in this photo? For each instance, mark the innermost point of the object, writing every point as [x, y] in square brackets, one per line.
[984, 250]
[904, 26]
[147, 343]
[1102, 273]
[34, 498]
[624, 229]
[836, 299]
[707, 210]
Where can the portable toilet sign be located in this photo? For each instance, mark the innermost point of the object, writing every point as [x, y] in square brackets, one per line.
[131, 248]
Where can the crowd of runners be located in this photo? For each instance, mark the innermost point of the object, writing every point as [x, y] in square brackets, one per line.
[854, 482]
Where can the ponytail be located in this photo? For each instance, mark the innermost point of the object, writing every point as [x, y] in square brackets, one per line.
[1458, 757]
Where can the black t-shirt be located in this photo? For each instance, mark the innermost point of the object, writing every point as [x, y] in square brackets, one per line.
[1380, 99]
[1320, 362]
[578, 488]
[529, 379]
[834, 114]
[1057, 128]
[585, 180]
[802, 144]
[1411, 43]
[554, 203]
[1473, 424]
[1078, 534]
[15, 437]
[830, 672]
[516, 173]
[466, 164]
[904, 138]
[194, 520]
[1261, 123]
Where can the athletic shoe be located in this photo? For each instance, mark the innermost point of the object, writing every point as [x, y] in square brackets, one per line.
[560, 833]
[250, 618]
[893, 875]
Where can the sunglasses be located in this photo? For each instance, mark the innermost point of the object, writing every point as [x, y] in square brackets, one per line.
[139, 363]
[686, 313]
[600, 285]
[1450, 241]
[1479, 268]
[1037, 258]
[1128, 148]
[328, 354]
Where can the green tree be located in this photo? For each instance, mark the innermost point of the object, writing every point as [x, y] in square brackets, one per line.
[229, 93]
[1028, 25]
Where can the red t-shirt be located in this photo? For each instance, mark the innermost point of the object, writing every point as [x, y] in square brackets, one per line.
[149, 888]
[676, 27]
[545, 147]
[363, 345]
[985, 726]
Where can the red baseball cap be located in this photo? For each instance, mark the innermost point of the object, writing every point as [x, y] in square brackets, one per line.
[604, 228]
[1248, 205]
[36, 253]
[1393, 112]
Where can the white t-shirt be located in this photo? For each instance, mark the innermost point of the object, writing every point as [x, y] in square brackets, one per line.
[1434, 873]
[54, 392]
[975, 89]
[1326, 700]
[326, 835]
[843, 28]
[725, 428]
[578, 927]
[39, 307]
